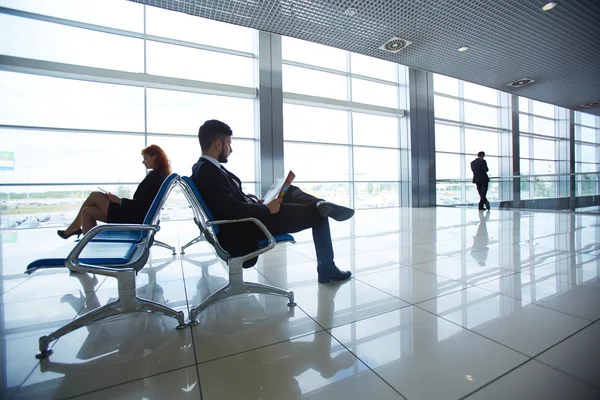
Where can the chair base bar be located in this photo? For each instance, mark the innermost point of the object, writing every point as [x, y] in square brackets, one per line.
[191, 242]
[234, 288]
[166, 246]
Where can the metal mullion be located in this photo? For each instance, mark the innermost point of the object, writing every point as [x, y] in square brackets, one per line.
[67, 184]
[338, 72]
[349, 115]
[468, 125]
[461, 97]
[68, 130]
[344, 105]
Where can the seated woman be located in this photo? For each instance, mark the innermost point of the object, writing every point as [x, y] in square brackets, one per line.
[107, 207]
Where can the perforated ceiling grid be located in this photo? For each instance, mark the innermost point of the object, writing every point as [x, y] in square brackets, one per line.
[508, 40]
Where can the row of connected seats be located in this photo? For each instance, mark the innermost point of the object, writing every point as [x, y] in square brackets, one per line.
[122, 250]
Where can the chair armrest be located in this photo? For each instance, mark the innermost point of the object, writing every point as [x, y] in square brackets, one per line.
[73, 257]
[261, 226]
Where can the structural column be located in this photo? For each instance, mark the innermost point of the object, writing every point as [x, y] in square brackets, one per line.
[516, 152]
[422, 138]
[270, 109]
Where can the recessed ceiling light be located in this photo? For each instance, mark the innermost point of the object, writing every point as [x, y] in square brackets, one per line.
[350, 11]
[464, 48]
[590, 104]
[549, 6]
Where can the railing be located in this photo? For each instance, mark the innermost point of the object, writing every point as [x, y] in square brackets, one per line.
[533, 190]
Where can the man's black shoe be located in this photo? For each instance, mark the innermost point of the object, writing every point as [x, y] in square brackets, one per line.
[339, 213]
[334, 276]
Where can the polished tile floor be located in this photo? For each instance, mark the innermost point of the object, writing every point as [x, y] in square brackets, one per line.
[444, 303]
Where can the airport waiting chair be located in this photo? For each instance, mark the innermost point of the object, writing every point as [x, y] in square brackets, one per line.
[121, 251]
[208, 231]
[131, 236]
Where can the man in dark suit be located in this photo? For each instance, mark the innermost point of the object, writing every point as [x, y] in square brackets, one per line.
[295, 212]
[481, 179]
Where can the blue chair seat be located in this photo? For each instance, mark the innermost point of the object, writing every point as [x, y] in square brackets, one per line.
[119, 236]
[278, 239]
[95, 253]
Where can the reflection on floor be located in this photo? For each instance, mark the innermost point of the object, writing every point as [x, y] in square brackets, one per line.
[445, 303]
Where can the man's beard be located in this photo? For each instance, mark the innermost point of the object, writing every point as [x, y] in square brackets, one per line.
[222, 156]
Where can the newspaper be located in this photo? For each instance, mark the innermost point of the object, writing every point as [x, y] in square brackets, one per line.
[278, 188]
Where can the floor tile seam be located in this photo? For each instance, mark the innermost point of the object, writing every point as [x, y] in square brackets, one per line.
[594, 385]
[195, 356]
[367, 365]
[263, 346]
[564, 339]
[465, 397]
[126, 382]
[472, 331]
[3, 294]
[410, 302]
[539, 305]
[51, 297]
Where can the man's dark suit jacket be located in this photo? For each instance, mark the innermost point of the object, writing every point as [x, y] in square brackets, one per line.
[224, 197]
[480, 169]
[135, 210]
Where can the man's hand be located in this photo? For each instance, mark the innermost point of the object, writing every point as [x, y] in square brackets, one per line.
[274, 206]
[113, 198]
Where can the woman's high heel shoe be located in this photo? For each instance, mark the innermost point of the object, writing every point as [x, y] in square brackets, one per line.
[63, 235]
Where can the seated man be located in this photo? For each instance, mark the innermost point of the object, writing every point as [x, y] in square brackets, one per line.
[295, 212]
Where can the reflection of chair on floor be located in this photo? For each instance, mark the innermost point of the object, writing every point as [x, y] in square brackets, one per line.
[85, 302]
[110, 344]
[277, 365]
[209, 229]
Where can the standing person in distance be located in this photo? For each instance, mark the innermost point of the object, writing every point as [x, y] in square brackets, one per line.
[481, 179]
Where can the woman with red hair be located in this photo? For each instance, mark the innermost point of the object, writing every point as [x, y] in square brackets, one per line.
[107, 207]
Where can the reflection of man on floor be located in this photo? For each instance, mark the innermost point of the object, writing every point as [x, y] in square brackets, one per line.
[276, 366]
[480, 248]
[296, 212]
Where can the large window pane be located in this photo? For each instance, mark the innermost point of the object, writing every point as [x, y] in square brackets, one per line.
[524, 147]
[112, 13]
[327, 162]
[314, 83]
[543, 109]
[375, 130]
[586, 153]
[481, 115]
[312, 53]
[542, 126]
[57, 157]
[52, 42]
[587, 119]
[25, 207]
[447, 138]
[447, 166]
[32, 100]
[476, 141]
[338, 193]
[543, 167]
[523, 105]
[446, 108]
[373, 67]
[376, 195]
[445, 84]
[190, 28]
[189, 63]
[544, 149]
[385, 169]
[313, 124]
[374, 93]
[524, 123]
[183, 113]
[586, 134]
[480, 93]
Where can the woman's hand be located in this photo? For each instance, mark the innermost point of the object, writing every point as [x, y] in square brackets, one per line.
[113, 198]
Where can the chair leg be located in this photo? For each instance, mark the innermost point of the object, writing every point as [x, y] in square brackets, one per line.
[217, 296]
[114, 308]
[191, 242]
[253, 287]
[166, 246]
[146, 305]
